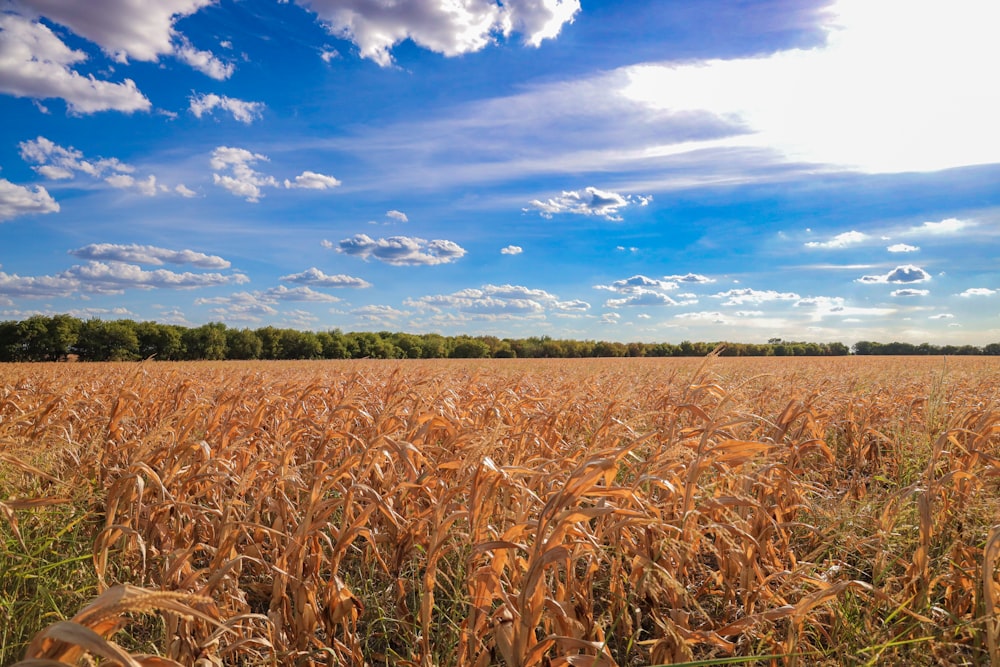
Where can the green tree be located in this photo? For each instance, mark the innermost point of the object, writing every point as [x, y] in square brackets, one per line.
[108, 341]
[206, 342]
[470, 348]
[243, 344]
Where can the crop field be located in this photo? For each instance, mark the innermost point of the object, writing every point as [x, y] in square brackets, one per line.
[786, 511]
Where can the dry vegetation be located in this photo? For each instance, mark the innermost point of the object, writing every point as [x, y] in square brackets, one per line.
[597, 513]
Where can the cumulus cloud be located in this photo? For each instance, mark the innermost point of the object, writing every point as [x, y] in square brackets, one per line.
[978, 291]
[589, 201]
[16, 200]
[242, 180]
[941, 316]
[378, 313]
[398, 216]
[317, 278]
[448, 28]
[902, 247]
[312, 181]
[57, 162]
[402, 250]
[739, 297]
[115, 277]
[282, 293]
[122, 28]
[642, 298]
[843, 240]
[500, 301]
[511, 250]
[691, 278]
[901, 274]
[244, 112]
[203, 61]
[36, 287]
[241, 306]
[147, 254]
[907, 292]
[638, 284]
[35, 63]
[108, 278]
[125, 29]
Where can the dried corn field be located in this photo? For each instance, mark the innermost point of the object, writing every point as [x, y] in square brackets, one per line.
[554, 512]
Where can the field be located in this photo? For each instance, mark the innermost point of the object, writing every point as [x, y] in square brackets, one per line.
[841, 511]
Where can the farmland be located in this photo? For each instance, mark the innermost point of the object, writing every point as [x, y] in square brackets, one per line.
[525, 512]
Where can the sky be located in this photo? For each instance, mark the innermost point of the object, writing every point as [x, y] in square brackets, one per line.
[650, 170]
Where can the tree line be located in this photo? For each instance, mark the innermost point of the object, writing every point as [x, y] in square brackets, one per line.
[63, 337]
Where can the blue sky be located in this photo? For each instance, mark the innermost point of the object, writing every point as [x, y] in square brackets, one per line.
[657, 170]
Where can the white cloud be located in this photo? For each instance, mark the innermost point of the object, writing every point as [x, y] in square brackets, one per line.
[511, 250]
[738, 297]
[16, 200]
[907, 292]
[35, 63]
[642, 298]
[402, 250]
[282, 293]
[243, 180]
[36, 287]
[693, 278]
[244, 112]
[843, 240]
[122, 28]
[203, 61]
[185, 191]
[398, 216]
[449, 28]
[500, 301]
[947, 226]
[853, 101]
[317, 278]
[312, 181]
[376, 313]
[820, 307]
[59, 163]
[902, 247]
[941, 316]
[55, 161]
[115, 277]
[589, 201]
[147, 254]
[978, 291]
[901, 274]
[638, 284]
